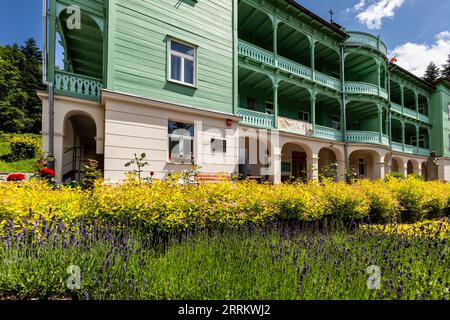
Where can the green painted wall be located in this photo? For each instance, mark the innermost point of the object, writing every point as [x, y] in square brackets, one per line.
[439, 116]
[137, 62]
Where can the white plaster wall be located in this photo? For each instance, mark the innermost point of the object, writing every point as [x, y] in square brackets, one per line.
[137, 128]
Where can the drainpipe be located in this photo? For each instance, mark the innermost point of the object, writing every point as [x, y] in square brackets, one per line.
[344, 109]
[51, 122]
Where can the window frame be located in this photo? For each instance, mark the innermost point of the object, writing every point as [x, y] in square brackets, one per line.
[256, 105]
[215, 145]
[181, 139]
[183, 57]
[301, 116]
[362, 162]
[334, 121]
[269, 106]
[421, 140]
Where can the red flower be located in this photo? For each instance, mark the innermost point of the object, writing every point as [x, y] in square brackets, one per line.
[15, 177]
[44, 172]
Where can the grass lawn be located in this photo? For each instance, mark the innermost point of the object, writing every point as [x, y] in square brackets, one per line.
[23, 166]
[275, 262]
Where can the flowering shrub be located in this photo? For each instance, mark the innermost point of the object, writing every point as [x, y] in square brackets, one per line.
[15, 177]
[46, 172]
[170, 206]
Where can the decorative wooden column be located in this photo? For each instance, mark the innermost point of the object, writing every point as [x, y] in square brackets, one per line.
[275, 40]
[275, 103]
[380, 122]
[379, 77]
[313, 110]
[416, 95]
[403, 136]
[417, 137]
[313, 60]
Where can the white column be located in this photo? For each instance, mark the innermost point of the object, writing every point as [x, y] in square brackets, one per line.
[379, 170]
[340, 170]
[276, 169]
[404, 170]
[275, 163]
[315, 167]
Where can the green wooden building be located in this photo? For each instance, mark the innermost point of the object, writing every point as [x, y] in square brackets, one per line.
[266, 89]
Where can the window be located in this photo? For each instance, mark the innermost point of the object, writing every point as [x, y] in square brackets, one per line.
[303, 116]
[181, 142]
[362, 166]
[218, 145]
[269, 107]
[252, 104]
[336, 122]
[422, 108]
[182, 63]
[421, 141]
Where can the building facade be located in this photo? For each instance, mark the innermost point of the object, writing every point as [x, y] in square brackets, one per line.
[266, 89]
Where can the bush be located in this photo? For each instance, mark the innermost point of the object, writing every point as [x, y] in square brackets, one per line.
[24, 147]
[383, 203]
[171, 207]
[346, 202]
[394, 175]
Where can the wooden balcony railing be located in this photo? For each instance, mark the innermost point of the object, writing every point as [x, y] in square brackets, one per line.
[78, 85]
[366, 39]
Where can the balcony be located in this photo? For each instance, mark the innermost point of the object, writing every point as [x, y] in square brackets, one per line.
[256, 119]
[368, 137]
[424, 152]
[396, 146]
[78, 86]
[328, 133]
[409, 112]
[365, 88]
[424, 118]
[410, 149]
[258, 54]
[366, 39]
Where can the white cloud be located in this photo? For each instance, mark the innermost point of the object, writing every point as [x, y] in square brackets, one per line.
[415, 57]
[357, 7]
[372, 12]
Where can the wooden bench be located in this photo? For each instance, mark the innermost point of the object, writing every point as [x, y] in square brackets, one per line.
[213, 177]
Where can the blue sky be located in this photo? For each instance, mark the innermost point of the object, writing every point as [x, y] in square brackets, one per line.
[418, 31]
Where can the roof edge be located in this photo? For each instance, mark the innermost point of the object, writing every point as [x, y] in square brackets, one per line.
[412, 75]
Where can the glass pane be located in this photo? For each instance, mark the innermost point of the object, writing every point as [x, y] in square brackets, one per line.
[174, 148]
[175, 66]
[189, 71]
[175, 46]
[182, 129]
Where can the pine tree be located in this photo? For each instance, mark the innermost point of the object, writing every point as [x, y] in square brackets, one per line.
[446, 69]
[20, 77]
[31, 81]
[432, 73]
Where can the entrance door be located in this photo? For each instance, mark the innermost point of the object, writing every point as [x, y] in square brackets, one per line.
[299, 165]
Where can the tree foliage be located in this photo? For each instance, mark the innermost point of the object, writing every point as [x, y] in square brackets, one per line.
[446, 69]
[20, 77]
[432, 73]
